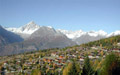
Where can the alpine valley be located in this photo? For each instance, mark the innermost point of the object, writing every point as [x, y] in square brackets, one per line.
[34, 37]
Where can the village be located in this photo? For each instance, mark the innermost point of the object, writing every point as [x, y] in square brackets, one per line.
[53, 60]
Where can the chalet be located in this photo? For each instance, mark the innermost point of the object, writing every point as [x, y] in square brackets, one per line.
[45, 59]
[118, 44]
[74, 55]
[34, 67]
[81, 59]
[5, 63]
[58, 64]
[116, 50]
[104, 56]
[105, 50]
[94, 47]
[91, 57]
[69, 56]
[50, 60]
[53, 54]
[59, 61]
[56, 59]
[76, 51]
[63, 63]
[51, 68]
[61, 57]
[97, 57]
[40, 61]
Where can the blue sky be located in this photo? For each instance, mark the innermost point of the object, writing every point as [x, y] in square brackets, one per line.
[62, 14]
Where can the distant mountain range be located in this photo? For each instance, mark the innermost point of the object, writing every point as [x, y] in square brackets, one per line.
[81, 37]
[34, 37]
[77, 36]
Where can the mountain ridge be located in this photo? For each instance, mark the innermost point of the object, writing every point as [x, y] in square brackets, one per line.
[28, 29]
[43, 38]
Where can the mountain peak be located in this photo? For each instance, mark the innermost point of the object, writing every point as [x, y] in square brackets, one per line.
[30, 25]
[31, 22]
[29, 28]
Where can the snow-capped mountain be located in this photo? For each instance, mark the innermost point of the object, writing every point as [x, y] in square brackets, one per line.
[114, 33]
[83, 37]
[72, 34]
[77, 34]
[26, 29]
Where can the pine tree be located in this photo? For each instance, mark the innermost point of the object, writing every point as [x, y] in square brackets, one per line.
[87, 69]
[73, 70]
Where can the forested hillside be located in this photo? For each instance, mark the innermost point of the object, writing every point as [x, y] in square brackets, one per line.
[106, 43]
